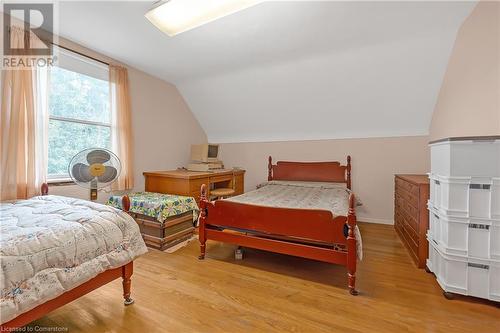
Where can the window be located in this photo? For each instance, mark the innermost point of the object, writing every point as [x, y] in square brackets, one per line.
[79, 111]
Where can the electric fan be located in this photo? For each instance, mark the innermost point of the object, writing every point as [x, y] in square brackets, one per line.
[94, 168]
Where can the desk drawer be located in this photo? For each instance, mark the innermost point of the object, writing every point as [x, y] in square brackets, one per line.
[220, 179]
[195, 185]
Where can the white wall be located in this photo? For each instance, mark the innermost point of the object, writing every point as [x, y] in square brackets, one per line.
[469, 100]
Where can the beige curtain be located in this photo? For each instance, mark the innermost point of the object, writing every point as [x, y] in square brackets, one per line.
[23, 128]
[122, 131]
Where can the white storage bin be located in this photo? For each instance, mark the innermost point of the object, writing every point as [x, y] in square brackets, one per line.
[462, 157]
[466, 276]
[495, 199]
[474, 197]
[474, 237]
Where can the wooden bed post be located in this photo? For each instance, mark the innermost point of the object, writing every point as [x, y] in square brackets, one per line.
[203, 217]
[351, 246]
[270, 169]
[348, 168]
[45, 189]
[127, 271]
[125, 203]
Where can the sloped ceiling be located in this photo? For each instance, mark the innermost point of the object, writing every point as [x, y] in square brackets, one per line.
[289, 70]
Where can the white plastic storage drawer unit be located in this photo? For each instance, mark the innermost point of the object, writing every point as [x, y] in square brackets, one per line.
[473, 237]
[464, 215]
[466, 157]
[474, 197]
[463, 275]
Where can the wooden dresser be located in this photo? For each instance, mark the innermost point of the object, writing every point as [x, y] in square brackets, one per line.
[411, 217]
[188, 183]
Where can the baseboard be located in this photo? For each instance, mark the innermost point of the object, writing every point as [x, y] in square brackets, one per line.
[372, 220]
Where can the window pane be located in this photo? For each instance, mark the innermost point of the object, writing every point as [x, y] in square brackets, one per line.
[75, 95]
[66, 139]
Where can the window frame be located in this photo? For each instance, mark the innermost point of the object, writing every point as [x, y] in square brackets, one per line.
[66, 178]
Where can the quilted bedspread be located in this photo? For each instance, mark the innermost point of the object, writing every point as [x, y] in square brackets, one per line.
[304, 195]
[52, 244]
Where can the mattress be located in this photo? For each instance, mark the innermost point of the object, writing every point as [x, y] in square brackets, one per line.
[294, 194]
[303, 195]
[52, 244]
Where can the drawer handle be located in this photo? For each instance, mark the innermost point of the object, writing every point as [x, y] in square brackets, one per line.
[470, 264]
[435, 242]
[437, 182]
[479, 226]
[436, 216]
[480, 186]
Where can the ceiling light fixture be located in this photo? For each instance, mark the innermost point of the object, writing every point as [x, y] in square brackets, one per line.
[176, 16]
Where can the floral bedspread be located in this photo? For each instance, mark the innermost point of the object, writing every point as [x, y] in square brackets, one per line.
[52, 244]
[157, 205]
[305, 195]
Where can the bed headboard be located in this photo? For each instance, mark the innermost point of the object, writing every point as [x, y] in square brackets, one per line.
[311, 171]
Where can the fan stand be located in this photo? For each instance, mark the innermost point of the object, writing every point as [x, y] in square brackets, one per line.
[93, 190]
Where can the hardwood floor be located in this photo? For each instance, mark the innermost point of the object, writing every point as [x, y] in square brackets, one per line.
[269, 292]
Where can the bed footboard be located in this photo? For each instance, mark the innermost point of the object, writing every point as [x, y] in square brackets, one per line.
[299, 232]
[125, 272]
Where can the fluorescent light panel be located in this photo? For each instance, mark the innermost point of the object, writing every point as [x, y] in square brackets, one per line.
[176, 16]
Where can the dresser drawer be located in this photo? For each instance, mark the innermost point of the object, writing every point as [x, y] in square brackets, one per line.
[412, 223]
[409, 187]
[413, 189]
[398, 218]
[410, 230]
[400, 184]
[409, 198]
[399, 200]
[411, 210]
[408, 241]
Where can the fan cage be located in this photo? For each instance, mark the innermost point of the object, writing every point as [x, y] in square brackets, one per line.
[94, 183]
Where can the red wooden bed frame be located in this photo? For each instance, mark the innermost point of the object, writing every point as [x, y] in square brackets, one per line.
[306, 233]
[125, 272]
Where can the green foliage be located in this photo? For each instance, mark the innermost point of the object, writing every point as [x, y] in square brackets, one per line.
[67, 139]
[77, 96]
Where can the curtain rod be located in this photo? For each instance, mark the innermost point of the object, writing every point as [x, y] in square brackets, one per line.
[82, 54]
[68, 49]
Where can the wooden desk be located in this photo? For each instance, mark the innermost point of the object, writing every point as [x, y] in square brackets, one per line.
[188, 183]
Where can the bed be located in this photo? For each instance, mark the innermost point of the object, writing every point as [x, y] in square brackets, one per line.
[55, 249]
[306, 209]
